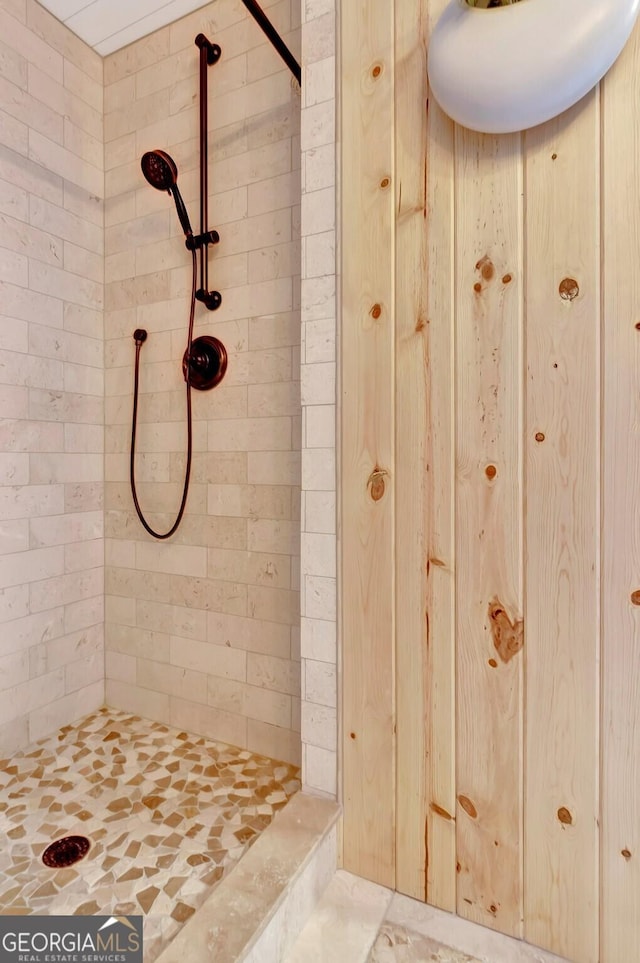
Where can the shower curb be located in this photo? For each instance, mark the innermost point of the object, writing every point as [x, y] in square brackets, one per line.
[256, 913]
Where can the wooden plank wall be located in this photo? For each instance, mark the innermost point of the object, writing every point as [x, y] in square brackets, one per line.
[490, 535]
[425, 545]
[367, 442]
[489, 631]
[620, 762]
[562, 489]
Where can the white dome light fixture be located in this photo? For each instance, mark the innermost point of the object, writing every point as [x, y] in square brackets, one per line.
[505, 68]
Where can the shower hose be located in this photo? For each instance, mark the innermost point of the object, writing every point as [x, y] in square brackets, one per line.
[140, 337]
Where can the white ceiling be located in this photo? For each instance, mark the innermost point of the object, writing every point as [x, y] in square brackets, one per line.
[107, 25]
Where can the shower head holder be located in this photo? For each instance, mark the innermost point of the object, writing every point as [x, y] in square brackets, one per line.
[214, 51]
[195, 242]
[210, 299]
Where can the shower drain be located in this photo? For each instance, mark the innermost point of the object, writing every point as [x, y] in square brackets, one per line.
[66, 851]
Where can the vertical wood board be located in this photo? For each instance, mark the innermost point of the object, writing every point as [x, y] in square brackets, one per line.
[489, 528]
[367, 413]
[424, 473]
[562, 532]
[620, 832]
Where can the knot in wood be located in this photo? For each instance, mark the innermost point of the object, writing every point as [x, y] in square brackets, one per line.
[376, 483]
[384, 183]
[486, 268]
[376, 70]
[376, 311]
[468, 806]
[569, 289]
[508, 636]
[565, 816]
[635, 597]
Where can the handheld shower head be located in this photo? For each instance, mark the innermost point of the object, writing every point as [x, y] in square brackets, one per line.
[161, 172]
[159, 169]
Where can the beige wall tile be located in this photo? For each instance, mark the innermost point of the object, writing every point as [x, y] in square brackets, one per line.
[19, 37]
[320, 81]
[320, 768]
[174, 680]
[319, 640]
[74, 706]
[47, 27]
[14, 201]
[30, 695]
[14, 536]
[121, 636]
[14, 669]
[273, 605]
[14, 605]
[320, 125]
[14, 469]
[320, 686]
[318, 31]
[209, 721]
[320, 512]
[133, 698]
[14, 735]
[319, 726]
[319, 173]
[250, 634]
[275, 468]
[65, 649]
[254, 568]
[46, 152]
[274, 741]
[31, 566]
[280, 675]
[120, 667]
[218, 660]
[14, 134]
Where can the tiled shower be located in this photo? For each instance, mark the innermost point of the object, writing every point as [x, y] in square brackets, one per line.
[203, 632]
[202, 635]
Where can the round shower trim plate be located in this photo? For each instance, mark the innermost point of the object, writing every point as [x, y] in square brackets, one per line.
[66, 851]
[206, 366]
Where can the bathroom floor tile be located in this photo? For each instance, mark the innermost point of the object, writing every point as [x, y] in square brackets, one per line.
[396, 944]
[167, 815]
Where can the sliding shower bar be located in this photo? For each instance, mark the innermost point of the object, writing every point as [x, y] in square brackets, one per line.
[209, 54]
[263, 21]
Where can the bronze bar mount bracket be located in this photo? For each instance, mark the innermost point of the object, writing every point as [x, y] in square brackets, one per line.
[210, 54]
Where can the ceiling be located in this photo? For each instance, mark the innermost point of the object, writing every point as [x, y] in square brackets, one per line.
[107, 25]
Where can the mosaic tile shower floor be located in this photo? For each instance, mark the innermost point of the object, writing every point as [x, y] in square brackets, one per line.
[168, 815]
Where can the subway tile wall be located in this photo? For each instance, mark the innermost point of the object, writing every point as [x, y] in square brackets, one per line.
[318, 522]
[51, 375]
[202, 631]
